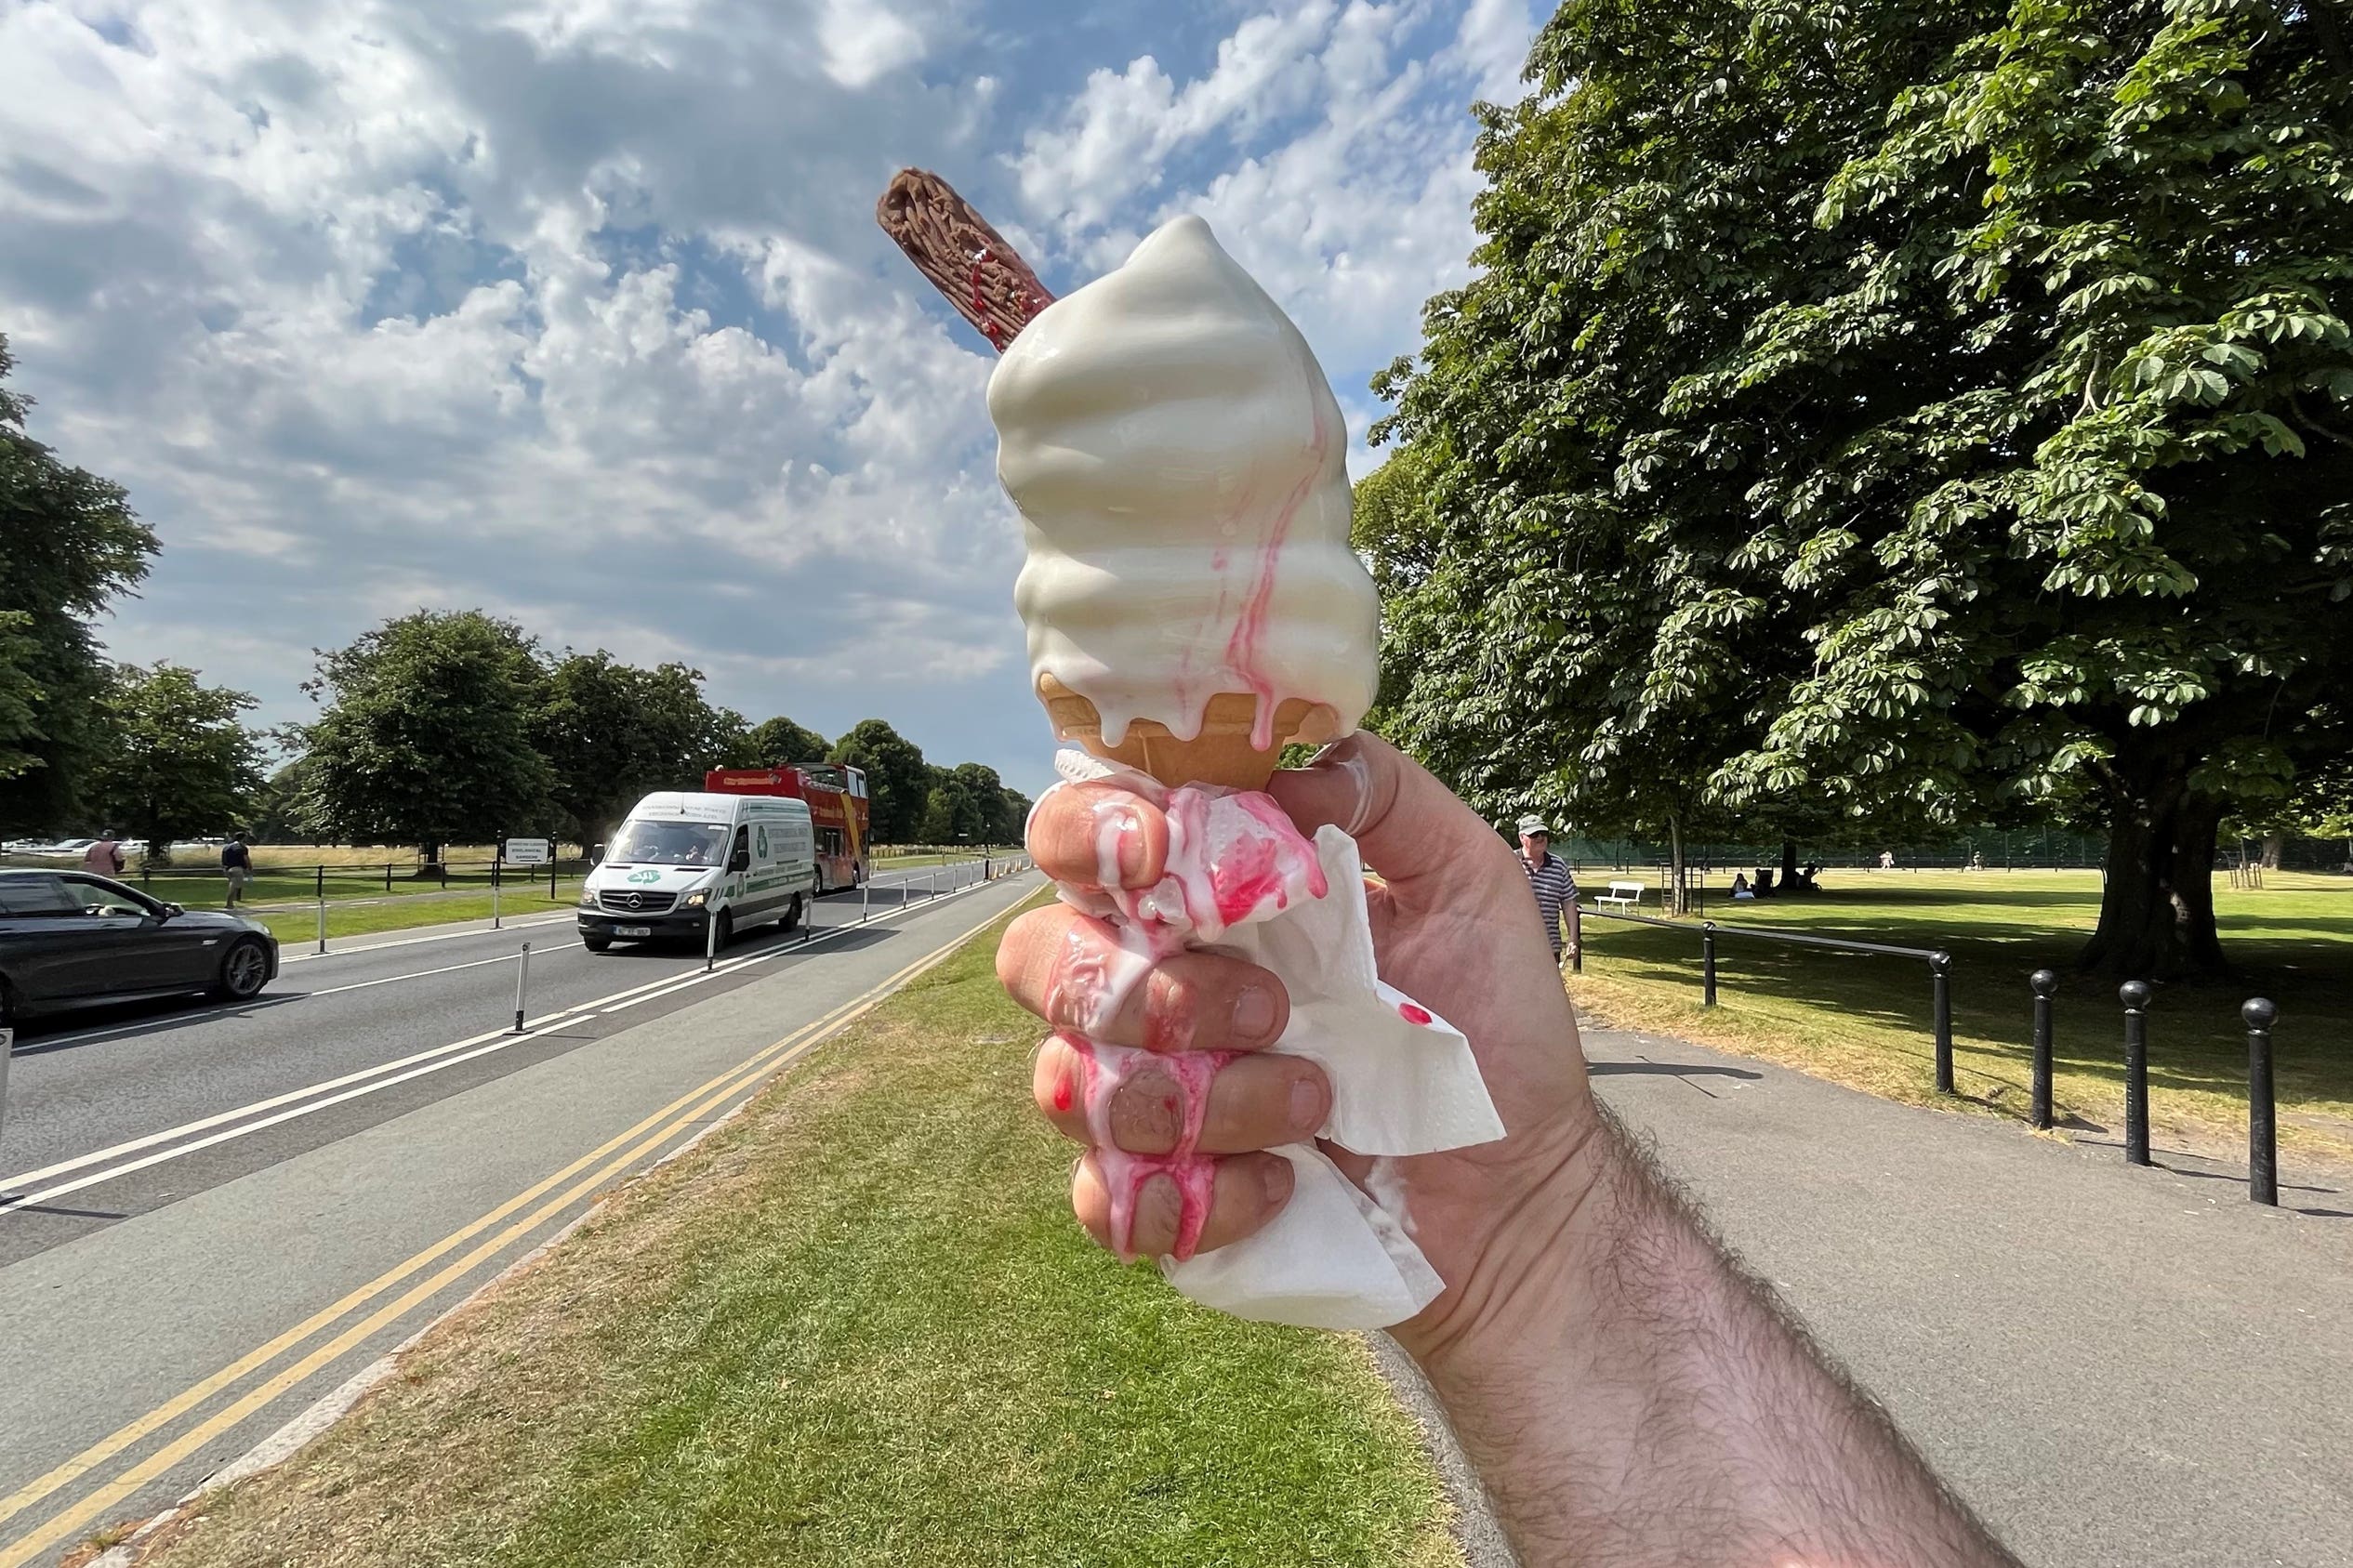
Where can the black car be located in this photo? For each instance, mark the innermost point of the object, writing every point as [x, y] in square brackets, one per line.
[69, 938]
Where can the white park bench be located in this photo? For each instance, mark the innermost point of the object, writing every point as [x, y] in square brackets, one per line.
[1623, 895]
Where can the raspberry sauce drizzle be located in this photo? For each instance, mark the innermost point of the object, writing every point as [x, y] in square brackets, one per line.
[1104, 1070]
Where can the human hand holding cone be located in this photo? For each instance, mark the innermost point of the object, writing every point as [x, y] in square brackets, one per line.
[1192, 602]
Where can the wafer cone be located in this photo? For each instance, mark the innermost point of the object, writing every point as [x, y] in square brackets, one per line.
[1221, 754]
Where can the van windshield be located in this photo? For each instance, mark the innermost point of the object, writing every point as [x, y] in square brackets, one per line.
[669, 843]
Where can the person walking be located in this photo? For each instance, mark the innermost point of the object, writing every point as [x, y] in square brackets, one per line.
[1555, 886]
[236, 864]
[105, 857]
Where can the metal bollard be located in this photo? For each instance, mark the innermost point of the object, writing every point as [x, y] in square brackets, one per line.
[2134, 995]
[930, 885]
[1708, 964]
[2262, 1127]
[865, 900]
[1940, 985]
[809, 919]
[493, 896]
[710, 937]
[2047, 985]
[523, 979]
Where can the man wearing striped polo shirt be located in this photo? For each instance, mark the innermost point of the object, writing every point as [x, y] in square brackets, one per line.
[1553, 884]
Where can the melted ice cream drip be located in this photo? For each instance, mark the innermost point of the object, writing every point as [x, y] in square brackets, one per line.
[1233, 857]
[1181, 466]
[1104, 1070]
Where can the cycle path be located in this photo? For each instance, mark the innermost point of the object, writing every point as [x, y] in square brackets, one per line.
[2113, 1364]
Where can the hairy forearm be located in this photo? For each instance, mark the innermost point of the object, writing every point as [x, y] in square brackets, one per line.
[1630, 1397]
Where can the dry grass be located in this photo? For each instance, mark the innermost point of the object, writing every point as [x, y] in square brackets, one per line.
[1864, 1020]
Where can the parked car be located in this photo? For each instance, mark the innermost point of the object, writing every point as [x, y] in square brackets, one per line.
[69, 938]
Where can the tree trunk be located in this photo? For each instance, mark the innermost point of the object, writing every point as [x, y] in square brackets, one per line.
[1788, 865]
[2272, 844]
[2157, 904]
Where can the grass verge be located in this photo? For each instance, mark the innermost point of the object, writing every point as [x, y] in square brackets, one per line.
[1864, 1020]
[293, 928]
[854, 1326]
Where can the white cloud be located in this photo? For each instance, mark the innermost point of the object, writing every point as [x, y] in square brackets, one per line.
[575, 309]
[863, 40]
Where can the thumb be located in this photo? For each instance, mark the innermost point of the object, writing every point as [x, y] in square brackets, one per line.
[1407, 823]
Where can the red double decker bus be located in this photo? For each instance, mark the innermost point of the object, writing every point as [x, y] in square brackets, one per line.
[836, 796]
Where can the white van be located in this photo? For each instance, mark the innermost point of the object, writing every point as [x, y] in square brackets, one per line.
[681, 860]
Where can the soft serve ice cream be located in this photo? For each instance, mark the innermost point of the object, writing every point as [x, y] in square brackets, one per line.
[1192, 605]
[1181, 466]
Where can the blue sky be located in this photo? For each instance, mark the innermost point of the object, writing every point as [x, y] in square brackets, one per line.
[575, 310]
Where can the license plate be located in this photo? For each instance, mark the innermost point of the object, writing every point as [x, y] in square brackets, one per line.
[632, 930]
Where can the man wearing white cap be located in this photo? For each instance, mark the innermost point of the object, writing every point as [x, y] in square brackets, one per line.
[1555, 885]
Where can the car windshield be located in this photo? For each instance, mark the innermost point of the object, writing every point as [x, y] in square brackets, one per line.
[669, 843]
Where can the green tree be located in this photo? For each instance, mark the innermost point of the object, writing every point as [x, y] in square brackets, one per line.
[779, 743]
[20, 696]
[611, 732]
[69, 545]
[1926, 413]
[1012, 817]
[277, 815]
[178, 760]
[426, 734]
[898, 781]
[942, 810]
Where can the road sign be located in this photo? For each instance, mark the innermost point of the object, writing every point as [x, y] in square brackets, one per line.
[529, 851]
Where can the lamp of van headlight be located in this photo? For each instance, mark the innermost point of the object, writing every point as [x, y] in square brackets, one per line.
[696, 899]
[588, 898]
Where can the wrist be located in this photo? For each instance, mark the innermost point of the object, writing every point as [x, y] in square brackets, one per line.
[1552, 1230]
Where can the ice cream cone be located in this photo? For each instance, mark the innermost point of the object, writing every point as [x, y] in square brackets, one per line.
[1221, 754]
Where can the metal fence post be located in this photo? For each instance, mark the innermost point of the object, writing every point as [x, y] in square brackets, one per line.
[2046, 985]
[1940, 986]
[494, 895]
[1708, 964]
[2134, 995]
[2263, 1134]
[522, 979]
[388, 876]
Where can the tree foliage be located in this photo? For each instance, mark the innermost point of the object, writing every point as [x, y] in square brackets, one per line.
[611, 732]
[69, 546]
[1921, 412]
[898, 780]
[178, 761]
[426, 737]
[779, 743]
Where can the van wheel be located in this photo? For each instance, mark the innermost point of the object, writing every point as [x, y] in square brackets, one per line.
[596, 943]
[726, 929]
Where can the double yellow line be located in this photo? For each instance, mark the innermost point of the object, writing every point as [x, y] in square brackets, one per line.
[635, 1144]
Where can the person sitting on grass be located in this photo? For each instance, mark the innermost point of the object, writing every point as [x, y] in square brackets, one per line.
[1740, 888]
[1627, 1393]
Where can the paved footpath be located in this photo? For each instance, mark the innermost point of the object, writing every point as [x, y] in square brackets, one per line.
[2115, 1367]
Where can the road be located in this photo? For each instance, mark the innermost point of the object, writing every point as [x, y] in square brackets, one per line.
[336, 1162]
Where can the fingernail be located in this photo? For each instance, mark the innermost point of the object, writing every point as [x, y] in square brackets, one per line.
[1307, 1106]
[1277, 1173]
[1254, 1013]
[1130, 827]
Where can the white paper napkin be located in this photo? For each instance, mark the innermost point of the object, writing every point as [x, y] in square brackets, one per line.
[1404, 1082]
